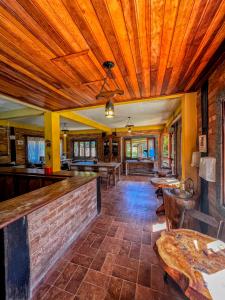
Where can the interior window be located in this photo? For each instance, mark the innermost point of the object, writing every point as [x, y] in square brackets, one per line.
[35, 149]
[140, 147]
[165, 150]
[85, 149]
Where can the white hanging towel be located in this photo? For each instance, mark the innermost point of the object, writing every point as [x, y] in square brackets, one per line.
[207, 168]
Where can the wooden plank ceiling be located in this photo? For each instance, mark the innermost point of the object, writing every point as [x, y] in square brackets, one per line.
[51, 51]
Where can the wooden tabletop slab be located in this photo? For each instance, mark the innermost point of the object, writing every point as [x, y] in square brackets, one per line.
[165, 182]
[193, 260]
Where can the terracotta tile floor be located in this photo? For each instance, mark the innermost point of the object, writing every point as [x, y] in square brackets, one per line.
[114, 258]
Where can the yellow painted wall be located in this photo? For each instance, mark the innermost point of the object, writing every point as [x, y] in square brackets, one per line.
[189, 134]
[52, 134]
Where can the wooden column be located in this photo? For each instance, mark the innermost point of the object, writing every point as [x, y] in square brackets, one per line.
[65, 145]
[52, 140]
[189, 134]
[15, 261]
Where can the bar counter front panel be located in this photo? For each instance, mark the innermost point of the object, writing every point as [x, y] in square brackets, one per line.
[45, 221]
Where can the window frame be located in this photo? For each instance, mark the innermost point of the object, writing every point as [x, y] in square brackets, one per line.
[129, 139]
[26, 145]
[220, 152]
[90, 148]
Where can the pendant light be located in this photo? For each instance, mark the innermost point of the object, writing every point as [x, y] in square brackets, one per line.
[65, 130]
[129, 125]
[109, 109]
[109, 94]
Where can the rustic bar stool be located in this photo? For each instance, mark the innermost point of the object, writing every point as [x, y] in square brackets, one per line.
[104, 175]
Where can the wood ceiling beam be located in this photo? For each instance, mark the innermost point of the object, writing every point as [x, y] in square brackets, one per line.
[8, 123]
[143, 128]
[154, 128]
[35, 78]
[20, 113]
[14, 100]
[173, 116]
[83, 120]
[159, 98]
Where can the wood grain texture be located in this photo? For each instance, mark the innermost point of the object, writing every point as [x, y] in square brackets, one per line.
[20, 206]
[186, 264]
[51, 52]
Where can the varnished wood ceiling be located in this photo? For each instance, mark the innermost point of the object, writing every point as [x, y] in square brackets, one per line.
[51, 51]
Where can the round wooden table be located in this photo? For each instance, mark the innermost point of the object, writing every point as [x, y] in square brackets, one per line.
[164, 182]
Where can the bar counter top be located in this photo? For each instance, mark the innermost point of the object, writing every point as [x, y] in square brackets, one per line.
[15, 208]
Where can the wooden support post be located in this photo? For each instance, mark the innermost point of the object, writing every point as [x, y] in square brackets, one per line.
[15, 261]
[52, 140]
[189, 134]
[65, 145]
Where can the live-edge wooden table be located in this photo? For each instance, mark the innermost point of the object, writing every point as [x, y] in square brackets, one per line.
[191, 260]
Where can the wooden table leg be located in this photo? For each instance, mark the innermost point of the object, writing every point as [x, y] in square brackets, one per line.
[114, 176]
[119, 170]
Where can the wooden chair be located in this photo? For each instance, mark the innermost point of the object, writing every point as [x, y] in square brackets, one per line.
[74, 168]
[207, 219]
[88, 169]
[104, 175]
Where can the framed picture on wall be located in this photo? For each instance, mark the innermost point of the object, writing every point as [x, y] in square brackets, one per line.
[203, 143]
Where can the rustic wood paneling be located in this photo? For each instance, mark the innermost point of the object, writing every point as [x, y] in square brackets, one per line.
[51, 52]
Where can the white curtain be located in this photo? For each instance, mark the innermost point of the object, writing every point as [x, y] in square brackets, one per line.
[35, 149]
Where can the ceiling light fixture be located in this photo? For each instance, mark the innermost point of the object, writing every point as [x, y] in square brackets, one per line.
[109, 109]
[65, 130]
[129, 125]
[109, 94]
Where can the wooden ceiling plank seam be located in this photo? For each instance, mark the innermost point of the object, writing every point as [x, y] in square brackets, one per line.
[92, 40]
[6, 86]
[183, 18]
[25, 39]
[212, 31]
[166, 43]
[180, 55]
[195, 64]
[146, 44]
[30, 68]
[36, 13]
[106, 23]
[193, 45]
[219, 41]
[157, 21]
[33, 77]
[28, 59]
[63, 23]
[136, 57]
[38, 32]
[140, 73]
[29, 86]
[70, 56]
[21, 84]
[76, 71]
[216, 60]
[148, 30]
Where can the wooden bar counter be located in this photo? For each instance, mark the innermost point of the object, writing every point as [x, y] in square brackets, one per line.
[38, 226]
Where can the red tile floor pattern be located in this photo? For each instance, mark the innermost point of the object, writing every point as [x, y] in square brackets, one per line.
[114, 258]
